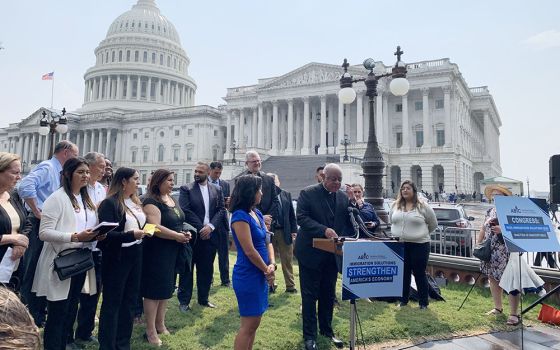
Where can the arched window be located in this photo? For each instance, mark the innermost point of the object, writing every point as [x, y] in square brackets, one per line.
[161, 153]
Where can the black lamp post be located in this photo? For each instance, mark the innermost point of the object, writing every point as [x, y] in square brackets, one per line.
[373, 164]
[345, 142]
[233, 149]
[50, 124]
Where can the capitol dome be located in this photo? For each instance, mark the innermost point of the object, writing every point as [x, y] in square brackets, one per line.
[140, 65]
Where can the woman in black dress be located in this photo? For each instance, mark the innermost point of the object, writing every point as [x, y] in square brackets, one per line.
[160, 252]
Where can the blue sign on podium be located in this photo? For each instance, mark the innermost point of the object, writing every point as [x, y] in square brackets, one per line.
[372, 269]
[525, 226]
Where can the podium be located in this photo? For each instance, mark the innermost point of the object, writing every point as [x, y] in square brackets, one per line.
[370, 268]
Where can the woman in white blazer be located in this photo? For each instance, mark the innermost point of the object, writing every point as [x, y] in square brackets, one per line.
[68, 214]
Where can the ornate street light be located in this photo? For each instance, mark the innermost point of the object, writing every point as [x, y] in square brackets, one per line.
[51, 124]
[233, 149]
[373, 164]
[345, 142]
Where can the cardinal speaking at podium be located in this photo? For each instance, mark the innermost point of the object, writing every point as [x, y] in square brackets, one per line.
[322, 212]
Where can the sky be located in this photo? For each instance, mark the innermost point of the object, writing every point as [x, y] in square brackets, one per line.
[513, 47]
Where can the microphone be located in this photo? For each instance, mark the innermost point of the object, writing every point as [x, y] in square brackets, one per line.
[355, 224]
[361, 222]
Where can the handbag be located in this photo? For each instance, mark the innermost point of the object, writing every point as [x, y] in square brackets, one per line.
[73, 261]
[483, 251]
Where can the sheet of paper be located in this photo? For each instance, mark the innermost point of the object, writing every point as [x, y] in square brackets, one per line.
[7, 266]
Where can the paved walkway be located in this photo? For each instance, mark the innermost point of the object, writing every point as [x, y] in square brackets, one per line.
[534, 338]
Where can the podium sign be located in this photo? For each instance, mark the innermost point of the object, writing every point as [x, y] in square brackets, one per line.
[525, 226]
[372, 269]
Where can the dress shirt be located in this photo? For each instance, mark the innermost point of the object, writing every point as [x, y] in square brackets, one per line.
[206, 199]
[41, 182]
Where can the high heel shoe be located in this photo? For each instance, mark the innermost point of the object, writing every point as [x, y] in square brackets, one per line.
[157, 343]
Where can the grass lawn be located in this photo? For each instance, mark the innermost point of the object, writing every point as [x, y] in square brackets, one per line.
[280, 328]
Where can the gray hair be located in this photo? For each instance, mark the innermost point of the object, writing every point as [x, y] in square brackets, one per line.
[93, 157]
[251, 153]
[330, 167]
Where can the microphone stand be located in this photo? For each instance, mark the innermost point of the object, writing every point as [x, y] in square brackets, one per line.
[355, 224]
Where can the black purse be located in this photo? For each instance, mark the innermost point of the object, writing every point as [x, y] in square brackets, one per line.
[73, 261]
[483, 251]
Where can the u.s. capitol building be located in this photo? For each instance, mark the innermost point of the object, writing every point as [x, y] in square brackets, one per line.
[139, 109]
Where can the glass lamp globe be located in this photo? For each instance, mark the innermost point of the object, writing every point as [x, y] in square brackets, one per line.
[44, 130]
[399, 86]
[62, 128]
[346, 95]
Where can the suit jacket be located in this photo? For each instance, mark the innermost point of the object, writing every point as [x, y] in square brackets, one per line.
[6, 223]
[192, 203]
[313, 215]
[224, 186]
[289, 223]
[269, 200]
[109, 211]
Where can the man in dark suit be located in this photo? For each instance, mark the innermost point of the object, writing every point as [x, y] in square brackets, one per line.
[223, 245]
[285, 230]
[322, 212]
[203, 205]
[269, 202]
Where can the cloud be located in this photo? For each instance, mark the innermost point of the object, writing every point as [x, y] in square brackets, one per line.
[544, 40]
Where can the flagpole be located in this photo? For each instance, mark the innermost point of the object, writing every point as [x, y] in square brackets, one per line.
[52, 91]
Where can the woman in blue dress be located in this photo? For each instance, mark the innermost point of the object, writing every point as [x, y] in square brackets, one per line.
[254, 269]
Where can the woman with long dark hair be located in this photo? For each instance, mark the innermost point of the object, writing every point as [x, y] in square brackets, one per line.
[254, 269]
[412, 220]
[66, 221]
[161, 252]
[122, 259]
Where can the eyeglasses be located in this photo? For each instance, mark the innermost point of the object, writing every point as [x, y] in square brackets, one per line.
[334, 179]
[254, 161]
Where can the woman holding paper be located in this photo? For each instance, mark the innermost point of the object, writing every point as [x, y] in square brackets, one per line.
[13, 223]
[122, 259]
[66, 221]
[161, 252]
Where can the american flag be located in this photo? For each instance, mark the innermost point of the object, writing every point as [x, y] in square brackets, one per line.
[48, 76]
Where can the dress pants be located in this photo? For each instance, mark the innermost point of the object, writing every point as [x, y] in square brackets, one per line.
[204, 252]
[88, 306]
[121, 282]
[59, 319]
[416, 261]
[286, 252]
[223, 256]
[317, 297]
[37, 305]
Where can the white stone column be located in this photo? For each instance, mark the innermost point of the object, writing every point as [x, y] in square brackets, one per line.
[330, 126]
[39, 148]
[32, 148]
[405, 125]
[167, 98]
[340, 134]
[108, 143]
[241, 132]
[426, 120]
[25, 154]
[138, 87]
[260, 121]
[149, 90]
[86, 90]
[78, 140]
[488, 144]
[92, 141]
[386, 130]
[379, 116]
[119, 88]
[228, 134]
[118, 148]
[290, 136]
[158, 91]
[128, 88]
[427, 179]
[84, 149]
[360, 117]
[305, 147]
[100, 142]
[176, 98]
[254, 130]
[109, 93]
[297, 130]
[323, 136]
[275, 127]
[94, 90]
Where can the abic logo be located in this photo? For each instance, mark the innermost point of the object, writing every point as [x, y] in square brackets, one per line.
[364, 256]
[516, 210]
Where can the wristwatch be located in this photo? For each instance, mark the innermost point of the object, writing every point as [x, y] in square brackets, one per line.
[74, 238]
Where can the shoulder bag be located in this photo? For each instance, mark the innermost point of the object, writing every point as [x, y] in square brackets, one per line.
[73, 261]
[483, 251]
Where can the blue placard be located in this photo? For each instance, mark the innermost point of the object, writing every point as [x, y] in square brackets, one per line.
[525, 226]
[372, 269]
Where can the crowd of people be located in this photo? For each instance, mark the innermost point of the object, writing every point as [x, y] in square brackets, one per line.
[137, 252]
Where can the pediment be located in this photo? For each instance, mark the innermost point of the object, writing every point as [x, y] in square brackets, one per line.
[35, 117]
[310, 74]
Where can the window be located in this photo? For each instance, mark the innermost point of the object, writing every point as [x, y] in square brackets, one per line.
[107, 57]
[136, 54]
[135, 136]
[113, 56]
[398, 107]
[120, 56]
[133, 157]
[128, 55]
[161, 153]
[215, 132]
[168, 61]
[145, 155]
[440, 137]
[161, 60]
[144, 177]
[418, 105]
[145, 58]
[175, 63]
[189, 132]
[214, 154]
[399, 139]
[146, 135]
[161, 134]
[153, 58]
[188, 177]
[439, 104]
[176, 132]
[176, 155]
[189, 153]
[419, 138]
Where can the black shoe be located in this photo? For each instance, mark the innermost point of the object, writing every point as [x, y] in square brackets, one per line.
[337, 342]
[73, 346]
[311, 345]
[272, 289]
[291, 290]
[423, 307]
[209, 305]
[184, 308]
[226, 284]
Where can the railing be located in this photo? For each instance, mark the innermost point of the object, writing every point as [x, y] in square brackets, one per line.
[242, 90]
[479, 90]
[427, 64]
[237, 162]
[355, 160]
